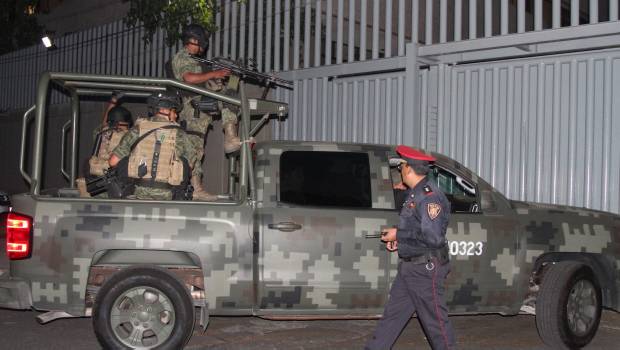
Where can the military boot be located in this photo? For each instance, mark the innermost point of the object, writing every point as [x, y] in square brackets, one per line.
[232, 143]
[199, 193]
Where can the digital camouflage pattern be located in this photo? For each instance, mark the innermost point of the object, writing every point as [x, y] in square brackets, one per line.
[183, 63]
[182, 146]
[334, 264]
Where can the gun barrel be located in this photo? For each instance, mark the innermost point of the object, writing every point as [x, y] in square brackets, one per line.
[245, 72]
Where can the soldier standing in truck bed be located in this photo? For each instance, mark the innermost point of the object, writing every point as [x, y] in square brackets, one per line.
[188, 70]
[424, 258]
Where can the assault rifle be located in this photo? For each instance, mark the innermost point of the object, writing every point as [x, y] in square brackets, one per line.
[110, 182]
[246, 70]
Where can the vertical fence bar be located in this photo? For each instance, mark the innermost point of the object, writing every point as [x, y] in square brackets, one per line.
[593, 11]
[277, 29]
[458, 13]
[388, 29]
[242, 28]
[556, 14]
[328, 32]
[443, 21]
[296, 33]
[428, 35]
[520, 16]
[287, 34]
[259, 35]
[504, 17]
[363, 24]
[233, 30]
[218, 33]
[375, 29]
[538, 15]
[488, 18]
[317, 35]
[268, 36]
[401, 27]
[251, 26]
[227, 15]
[339, 34]
[613, 10]
[415, 21]
[307, 38]
[351, 33]
[473, 19]
[574, 12]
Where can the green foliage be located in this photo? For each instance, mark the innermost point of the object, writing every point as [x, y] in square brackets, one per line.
[170, 15]
[18, 29]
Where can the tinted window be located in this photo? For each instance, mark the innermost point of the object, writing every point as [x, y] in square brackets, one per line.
[325, 179]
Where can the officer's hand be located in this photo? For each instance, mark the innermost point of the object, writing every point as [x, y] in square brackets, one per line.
[392, 246]
[388, 235]
[400, 186]
[220, 73]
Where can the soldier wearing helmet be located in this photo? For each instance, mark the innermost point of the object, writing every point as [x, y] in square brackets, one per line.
[116, 121]
[188, 70]
[420, 240]
[156, 155]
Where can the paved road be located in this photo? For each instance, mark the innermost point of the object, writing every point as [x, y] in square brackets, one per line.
[19, 330]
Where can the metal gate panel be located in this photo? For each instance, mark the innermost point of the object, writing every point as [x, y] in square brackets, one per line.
[367, 109]
[539, 129]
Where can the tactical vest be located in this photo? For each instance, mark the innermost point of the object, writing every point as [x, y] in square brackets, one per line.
[107, 141]
[153, 158]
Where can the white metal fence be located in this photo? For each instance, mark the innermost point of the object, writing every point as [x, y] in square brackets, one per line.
[539, 129]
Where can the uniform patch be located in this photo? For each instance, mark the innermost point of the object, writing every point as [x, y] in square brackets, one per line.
[411, 205]
[433, 210]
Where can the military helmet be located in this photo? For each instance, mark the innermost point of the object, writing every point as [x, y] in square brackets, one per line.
[196, 31]
[119, 114]
[165, 99]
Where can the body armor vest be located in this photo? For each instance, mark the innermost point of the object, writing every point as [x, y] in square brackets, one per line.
[154, 157]
[107, 141]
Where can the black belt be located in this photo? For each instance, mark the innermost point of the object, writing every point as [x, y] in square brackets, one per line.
[442, 254]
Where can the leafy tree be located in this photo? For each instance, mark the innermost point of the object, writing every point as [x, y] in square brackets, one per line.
[171, 15]
[18, 23]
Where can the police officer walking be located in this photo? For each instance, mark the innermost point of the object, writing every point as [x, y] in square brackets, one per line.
[188, 70]
[424, 258]
[156, 154]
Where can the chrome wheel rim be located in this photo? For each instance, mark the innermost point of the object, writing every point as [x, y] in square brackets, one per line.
[142, 318]
[582, 306]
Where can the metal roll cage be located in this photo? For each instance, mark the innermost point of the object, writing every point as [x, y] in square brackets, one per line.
[104, 85]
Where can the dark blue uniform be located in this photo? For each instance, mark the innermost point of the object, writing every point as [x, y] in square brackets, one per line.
[419, 284]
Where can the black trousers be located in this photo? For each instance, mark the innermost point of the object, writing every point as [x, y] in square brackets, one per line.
[417, 288]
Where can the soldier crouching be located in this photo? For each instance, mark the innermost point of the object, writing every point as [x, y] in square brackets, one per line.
[156, 155]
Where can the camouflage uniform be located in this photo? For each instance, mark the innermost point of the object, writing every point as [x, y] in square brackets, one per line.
[183, 63]
[183, 149]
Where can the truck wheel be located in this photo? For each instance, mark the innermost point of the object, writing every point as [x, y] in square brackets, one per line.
[143, 307]
[568, 306]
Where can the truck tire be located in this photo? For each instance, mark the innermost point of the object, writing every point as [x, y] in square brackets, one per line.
[143, 307]
[568, 306]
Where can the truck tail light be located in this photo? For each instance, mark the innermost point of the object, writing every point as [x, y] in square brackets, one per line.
[18, 236]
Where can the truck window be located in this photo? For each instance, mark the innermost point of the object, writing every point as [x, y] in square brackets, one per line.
[340, 179]
[462, 200]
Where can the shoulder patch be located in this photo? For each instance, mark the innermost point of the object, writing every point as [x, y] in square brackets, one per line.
[433, 210]
[427, 190]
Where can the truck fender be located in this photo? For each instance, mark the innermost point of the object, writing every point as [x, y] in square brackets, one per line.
[602, 266]
[185, 266]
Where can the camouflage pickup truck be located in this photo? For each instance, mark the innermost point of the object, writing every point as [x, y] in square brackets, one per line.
[299, 239]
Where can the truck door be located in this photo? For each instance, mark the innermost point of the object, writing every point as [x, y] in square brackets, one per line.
[320, 250]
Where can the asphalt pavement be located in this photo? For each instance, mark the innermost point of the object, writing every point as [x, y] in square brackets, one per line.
[19, 330]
